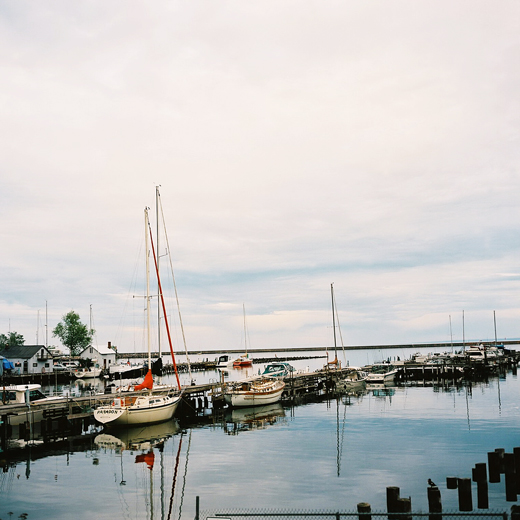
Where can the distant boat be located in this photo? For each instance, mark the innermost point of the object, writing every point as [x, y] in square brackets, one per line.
[243, 360]
[254, 392]
[140, 409]
[224, 361]
[381, 373]
[278, 369]
[354, 381]
[86, 373]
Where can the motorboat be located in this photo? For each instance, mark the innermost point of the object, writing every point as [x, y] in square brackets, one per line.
[278, 369]
[224, 361]
[254, 392]
[381, 373]
[19, 394]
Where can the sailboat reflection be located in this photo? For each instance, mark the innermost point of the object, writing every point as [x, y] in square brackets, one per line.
[253, 418]
[145, 440]
[137, 437]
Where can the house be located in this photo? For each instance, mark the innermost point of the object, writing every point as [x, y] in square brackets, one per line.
[100, 355]
[29, 359]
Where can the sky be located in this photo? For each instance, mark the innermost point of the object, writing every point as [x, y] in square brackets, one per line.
[369, 144]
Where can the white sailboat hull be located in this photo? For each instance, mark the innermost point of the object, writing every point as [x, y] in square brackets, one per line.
[145, 410]
[255, 396]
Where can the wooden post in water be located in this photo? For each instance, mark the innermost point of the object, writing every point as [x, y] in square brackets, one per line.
[451, 482]
[480, 477]
[434, 503]
[501, 452]
[405, 506]
[465, 499]
[494, 467]
[364, 511]
[392, 496]
[516, 452]
[509, 470]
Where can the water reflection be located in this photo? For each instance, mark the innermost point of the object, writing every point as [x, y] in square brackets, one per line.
[252, 418]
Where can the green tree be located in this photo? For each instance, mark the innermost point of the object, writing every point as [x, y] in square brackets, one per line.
[74, 335]
[13, 339]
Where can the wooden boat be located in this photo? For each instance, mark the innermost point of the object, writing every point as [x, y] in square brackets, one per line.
[354, 381]
[148, 408]
[254, 392]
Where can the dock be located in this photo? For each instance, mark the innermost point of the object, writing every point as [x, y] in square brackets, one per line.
[58, 418]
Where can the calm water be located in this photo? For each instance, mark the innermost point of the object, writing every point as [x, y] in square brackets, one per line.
[321, 455]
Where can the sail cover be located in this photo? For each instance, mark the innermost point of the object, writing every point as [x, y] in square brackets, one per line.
[147, 383]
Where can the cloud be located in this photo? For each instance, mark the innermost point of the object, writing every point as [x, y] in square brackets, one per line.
[373, 145]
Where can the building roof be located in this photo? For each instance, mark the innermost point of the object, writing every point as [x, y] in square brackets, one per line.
[102, 349]
[23, 351]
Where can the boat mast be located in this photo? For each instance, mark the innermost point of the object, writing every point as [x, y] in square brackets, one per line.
[245, 329]
[495, 322]
[158, 288]
[334, 320]
[164, 311]
[146, 223]
[463, 334]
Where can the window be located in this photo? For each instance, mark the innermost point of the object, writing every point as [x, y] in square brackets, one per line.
[35, 365]
[46, 365]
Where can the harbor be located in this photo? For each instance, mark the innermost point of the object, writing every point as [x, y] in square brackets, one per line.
[375, 419]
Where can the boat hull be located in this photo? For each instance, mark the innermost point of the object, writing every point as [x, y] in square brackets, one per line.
[240, 398]
[117, 414]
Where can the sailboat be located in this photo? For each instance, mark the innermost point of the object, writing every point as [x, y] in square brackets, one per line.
[243, 360]
[335, 363]
[147, 408]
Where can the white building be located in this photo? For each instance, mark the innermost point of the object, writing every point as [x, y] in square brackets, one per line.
[101, 355]
[29, 359]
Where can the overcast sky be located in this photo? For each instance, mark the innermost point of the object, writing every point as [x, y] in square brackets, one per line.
[369, 144]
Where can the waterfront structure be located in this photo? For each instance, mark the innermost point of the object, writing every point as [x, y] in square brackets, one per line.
[104, 356]
[29, 359]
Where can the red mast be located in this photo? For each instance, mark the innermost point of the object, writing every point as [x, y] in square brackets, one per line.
[164, 310]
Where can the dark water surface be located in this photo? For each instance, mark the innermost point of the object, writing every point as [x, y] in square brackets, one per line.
[329, 454]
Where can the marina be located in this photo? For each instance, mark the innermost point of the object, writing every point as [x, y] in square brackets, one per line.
[448, 422]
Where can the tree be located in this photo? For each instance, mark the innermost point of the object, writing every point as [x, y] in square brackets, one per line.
[13, 339]
[73, 334]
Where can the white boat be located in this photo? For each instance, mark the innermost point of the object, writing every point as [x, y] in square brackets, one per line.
[224, 361]
[141, 409]
[254, 392]
[18, 394]
[381, 374]
[86, 373]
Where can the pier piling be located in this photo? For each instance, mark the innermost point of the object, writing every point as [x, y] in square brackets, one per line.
[465, 499]
[364, 511]
[434, 503]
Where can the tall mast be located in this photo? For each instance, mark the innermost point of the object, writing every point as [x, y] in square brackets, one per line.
[463, 334]
[333, 319]
[495, 322]
[245, 331]
[158, 255]
[46, 327]
[147, 287]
